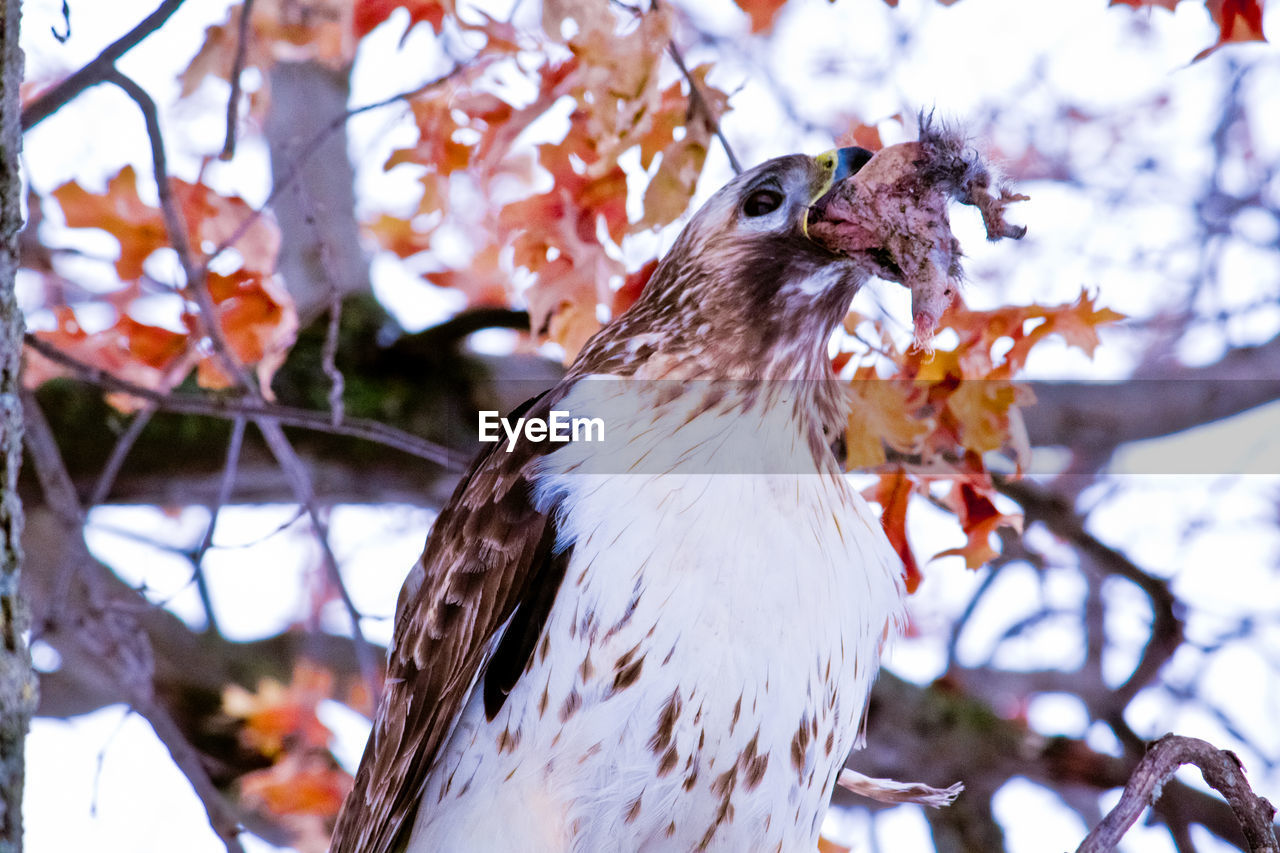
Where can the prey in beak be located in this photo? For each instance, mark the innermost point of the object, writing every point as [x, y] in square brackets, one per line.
[889, 211]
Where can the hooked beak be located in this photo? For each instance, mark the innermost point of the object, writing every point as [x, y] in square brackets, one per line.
[835, 165]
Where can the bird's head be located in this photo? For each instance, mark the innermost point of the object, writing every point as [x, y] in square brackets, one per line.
[744, 291]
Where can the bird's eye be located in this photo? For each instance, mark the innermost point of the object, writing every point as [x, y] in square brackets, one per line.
[762, 202]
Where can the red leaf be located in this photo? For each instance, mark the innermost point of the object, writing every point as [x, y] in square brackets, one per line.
[979, 518]
[1237, 20]
[632, 286]
[893, 493]
[369, 13]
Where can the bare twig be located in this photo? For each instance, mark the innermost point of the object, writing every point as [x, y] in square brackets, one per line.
[194, 272]
[1166, 625]
[66, 25]
[55, 483]
[120, 453]
[237, 70]
[231, 408]
[97, 70]
[329, 359]
[1223, 772]
[296, 473]
[695, 95]
[227, 483]
[221, 817]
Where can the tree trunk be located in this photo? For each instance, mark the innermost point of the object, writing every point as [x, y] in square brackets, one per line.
[17, 683]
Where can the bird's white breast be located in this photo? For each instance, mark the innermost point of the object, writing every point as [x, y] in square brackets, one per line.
[704, 668]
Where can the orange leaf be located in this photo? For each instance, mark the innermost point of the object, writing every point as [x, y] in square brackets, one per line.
[1237, 20]
[882, 411]
[893, 493]
[762, 13]
[150, 356]
[279, 716]
[213, 218]
[1077, 323]
[399, 236]
[436, 148]
[485, 281]
[981, 409]
[308, 784]
[258, 320]
[562, 305]
[137, 226]
[979, 518]
[216, 56]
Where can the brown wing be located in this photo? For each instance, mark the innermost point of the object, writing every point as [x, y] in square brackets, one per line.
[472, 608]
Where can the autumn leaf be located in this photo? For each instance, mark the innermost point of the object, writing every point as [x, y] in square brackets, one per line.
[762, 13]
[882, 411]
[1077, 323]
[632, 286]
[399, 236]
[278, 715]
[981, 409]
[562, 305]
[588, 16]
[484, 281]
[436, 148]
[893, 493]
[147, 355]
[137, 226]
[367, 14]
[306, 784]
[1237, 21]
[216, 56]
[673, 185]
[318, 30]
[258, 321]
[213, 218]
[979, 519]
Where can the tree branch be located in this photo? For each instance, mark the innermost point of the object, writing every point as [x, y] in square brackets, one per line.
[98, 70]
[232, 408]
[1223, 772]
[237, 71]
[121, 649]
[695, 95]
[1166, 628]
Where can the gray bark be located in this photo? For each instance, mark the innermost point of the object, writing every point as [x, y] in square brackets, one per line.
[17, 683]
[320, 250]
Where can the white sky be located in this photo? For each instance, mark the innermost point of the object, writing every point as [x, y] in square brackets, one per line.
[103, 781]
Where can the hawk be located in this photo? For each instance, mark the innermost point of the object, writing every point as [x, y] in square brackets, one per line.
[665, 642]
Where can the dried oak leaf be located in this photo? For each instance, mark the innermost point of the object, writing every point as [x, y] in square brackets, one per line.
[893, 214]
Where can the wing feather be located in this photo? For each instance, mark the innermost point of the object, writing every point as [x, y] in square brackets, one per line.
[475, 602]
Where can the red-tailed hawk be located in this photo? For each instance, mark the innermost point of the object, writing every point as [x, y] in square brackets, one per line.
[665, 641]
